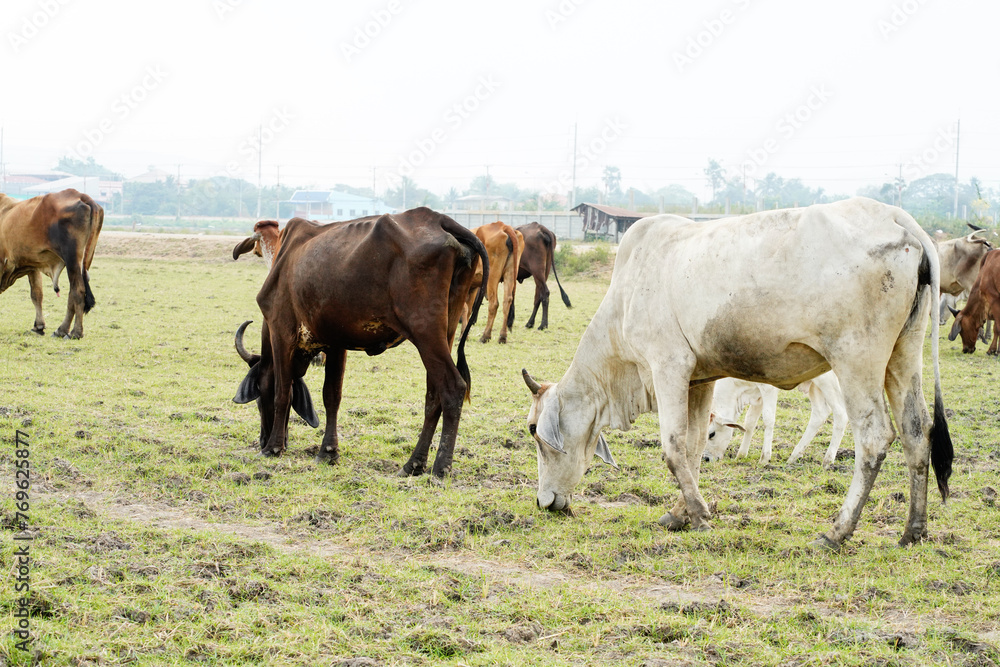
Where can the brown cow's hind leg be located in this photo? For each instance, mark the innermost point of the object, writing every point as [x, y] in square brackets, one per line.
[333, 386]
[35, 279]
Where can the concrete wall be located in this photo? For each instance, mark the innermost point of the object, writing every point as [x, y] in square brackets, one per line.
[566, 224]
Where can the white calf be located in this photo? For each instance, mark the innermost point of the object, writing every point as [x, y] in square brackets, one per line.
[732, 396]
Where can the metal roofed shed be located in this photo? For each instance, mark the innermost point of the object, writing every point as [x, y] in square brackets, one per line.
[607, 221]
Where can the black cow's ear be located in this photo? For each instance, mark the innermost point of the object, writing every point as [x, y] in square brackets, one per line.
[302, 403]
[249, 389]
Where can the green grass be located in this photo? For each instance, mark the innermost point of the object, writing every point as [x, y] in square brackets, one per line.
[162, 538]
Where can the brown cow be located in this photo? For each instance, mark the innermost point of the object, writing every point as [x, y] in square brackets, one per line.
[265, 242]
[504, 246]
[45, 235]
[984, 301]
[536, 260]
[366, 284]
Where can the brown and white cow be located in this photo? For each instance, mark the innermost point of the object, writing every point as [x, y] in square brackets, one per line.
[504, 246]
[366, 284]
[846, 286]
[984, 302]
[536, 261]
[960, 261]
[265, 242]
[45, 235]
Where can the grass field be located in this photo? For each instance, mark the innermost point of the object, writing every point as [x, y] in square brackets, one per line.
[162, 538]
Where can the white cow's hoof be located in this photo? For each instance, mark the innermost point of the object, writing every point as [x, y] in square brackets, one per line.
[671, 523]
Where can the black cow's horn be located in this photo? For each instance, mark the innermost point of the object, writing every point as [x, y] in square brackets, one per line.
[530, 381]
[244, 355]
[953, 311]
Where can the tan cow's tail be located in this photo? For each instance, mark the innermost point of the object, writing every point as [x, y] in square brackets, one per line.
[942, 449]
[515, 246]
[467, 238]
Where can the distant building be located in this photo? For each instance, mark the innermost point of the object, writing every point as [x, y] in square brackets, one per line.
[609, 221]
[154, 175]
[483, 203]
[15, 184]
[332, 205]
[100, 190]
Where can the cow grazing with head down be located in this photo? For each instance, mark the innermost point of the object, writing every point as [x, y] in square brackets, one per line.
[984, 301]
[503, 245]
[960, 262]
[45, 235]
[776, 297]
[366, 284]
[537, 260]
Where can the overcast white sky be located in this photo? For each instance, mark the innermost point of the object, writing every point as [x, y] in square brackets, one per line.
[656, 88]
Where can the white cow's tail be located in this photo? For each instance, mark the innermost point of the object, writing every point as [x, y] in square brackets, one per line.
[942, 451]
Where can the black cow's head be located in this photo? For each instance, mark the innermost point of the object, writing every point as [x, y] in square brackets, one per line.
[250, 389]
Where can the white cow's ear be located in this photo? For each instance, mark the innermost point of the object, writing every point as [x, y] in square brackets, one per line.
[605, 453]
[548, 428]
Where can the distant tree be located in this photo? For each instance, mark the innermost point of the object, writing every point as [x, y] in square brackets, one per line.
[716, 176]
[481, 185]
[86, 167]
[675, 195]
[450, 197]
[612, 179]
[590, 195]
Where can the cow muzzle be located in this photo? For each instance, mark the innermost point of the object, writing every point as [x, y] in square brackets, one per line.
[553, 502]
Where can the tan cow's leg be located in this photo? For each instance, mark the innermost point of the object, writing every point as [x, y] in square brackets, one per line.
[35, 280]
[492, 288]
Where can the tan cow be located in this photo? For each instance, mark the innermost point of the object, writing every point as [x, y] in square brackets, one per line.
[504, 246]
[45, 235]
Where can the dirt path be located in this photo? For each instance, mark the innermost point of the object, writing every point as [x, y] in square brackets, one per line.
[709, 591]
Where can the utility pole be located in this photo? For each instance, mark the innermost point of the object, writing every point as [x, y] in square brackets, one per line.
[958, 136]
[178, 192]
[277, 197]
[485, 204]
[899, 187]
[572, 198]
[260, 163]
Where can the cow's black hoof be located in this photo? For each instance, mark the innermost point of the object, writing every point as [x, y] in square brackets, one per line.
[327, 457]
[40, 332]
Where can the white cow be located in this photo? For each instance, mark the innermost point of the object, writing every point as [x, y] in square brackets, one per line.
[778, 297]
[732, 396]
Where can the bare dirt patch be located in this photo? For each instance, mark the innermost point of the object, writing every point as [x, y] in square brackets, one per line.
[140, 245]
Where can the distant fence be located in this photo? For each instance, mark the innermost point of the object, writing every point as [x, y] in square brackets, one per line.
[566, 224]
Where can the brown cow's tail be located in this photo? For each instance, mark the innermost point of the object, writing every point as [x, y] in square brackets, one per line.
[465, 237]
[96, 224]
[550, 242]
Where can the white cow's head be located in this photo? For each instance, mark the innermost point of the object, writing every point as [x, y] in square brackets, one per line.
[726, 409]
[567, 437]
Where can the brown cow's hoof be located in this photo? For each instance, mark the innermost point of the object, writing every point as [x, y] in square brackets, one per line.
[36, 330]
[327, 457]
[484, 339]
[59, 334]
[672, 523]
[502, 340]
[410, 470]
[824, 543]
[270, 453]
